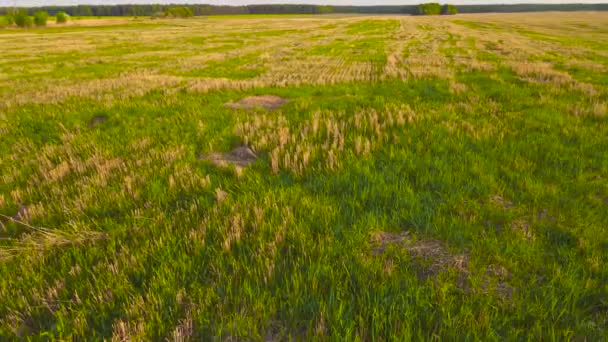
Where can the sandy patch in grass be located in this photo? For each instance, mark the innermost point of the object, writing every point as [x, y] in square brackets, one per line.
[268, 102]
[381, 240]
[501, 202]
[239, 157]
[432, 253]
[97, 120]
[522, 228]
[495, 280]
[432, 258]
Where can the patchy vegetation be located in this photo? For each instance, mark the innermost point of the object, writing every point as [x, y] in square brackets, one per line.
[239, 67]
[368, 27]
[268, 102]
[429, 178]
[239, 157]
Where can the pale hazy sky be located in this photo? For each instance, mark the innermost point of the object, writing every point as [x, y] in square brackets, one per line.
[5, 3]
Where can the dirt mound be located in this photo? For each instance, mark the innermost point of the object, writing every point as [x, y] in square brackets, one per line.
[501, 202]
[268, 102]
[432, 258]
[495, 280]
[381, 240]
[239, 157]
[97, 120]
[432, 253]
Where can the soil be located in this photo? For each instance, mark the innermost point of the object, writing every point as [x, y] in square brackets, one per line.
[239, 157]
[97, 120]
[501, 202]
[268, 102]
[432, 253]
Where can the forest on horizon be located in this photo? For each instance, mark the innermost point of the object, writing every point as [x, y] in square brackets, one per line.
[198, 10]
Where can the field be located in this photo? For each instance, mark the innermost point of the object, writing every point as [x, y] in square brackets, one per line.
[395, 178]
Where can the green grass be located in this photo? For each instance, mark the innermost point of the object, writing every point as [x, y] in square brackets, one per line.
[268, 33]
[360, 50]
[234, 68]
[474, 24]
[69, 29]
[373, 27]
[212, 44]
[144, 238]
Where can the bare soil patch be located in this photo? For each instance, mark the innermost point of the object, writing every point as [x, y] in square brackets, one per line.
[432, 258]
[432, 253]
[522, 227]
[495, 280]
[239, 157]
[268, 102]
[97, 120]
[381, 240]
[501, 202]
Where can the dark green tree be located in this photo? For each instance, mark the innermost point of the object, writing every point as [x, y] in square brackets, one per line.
[62, 17]
[85, 11]
[324, 9]
[3, 22]
[449, 9]
[22, 19]
[179, 12]
[40, 18]
[431, 8]
[10, 19]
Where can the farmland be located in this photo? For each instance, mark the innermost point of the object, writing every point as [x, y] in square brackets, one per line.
[391, 178]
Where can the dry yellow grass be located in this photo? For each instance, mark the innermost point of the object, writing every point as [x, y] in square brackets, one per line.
[162, 56]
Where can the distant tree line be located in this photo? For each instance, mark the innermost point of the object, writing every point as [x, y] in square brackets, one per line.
[198, 10]
[431, 8]
[177, 12]
[434, 8]
[22, 18]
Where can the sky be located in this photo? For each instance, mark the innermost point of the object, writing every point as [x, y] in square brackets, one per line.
[28, 3]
